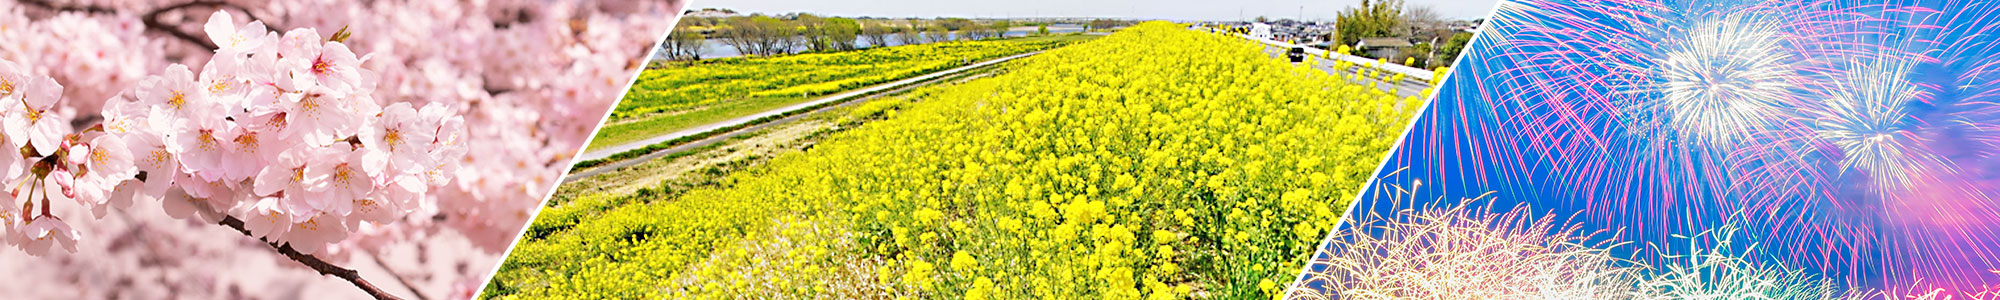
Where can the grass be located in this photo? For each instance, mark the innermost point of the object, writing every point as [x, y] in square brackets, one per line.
[619, 133]
[627, 125]
[642, 151]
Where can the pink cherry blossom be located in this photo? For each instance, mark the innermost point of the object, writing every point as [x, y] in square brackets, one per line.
[250, 150]
[13, 77]
[267, 218]
[206, 199]
[59, 185]
[175, 96]
[313, 233]
[46, 231]
[319, 116]
[404, 134]
[348, 174]
[287, 179]
[109, 163]
[126, 117]
[313, 61]
[525, 81]
[152, 156]
[178, 204]
[376, 210]
[35, 119]
[204, 145]
[223, 31]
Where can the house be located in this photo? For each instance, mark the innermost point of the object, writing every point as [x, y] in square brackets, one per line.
[1382, 47]
[1260, 30]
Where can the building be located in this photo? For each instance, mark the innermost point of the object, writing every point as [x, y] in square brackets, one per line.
[1260, 30]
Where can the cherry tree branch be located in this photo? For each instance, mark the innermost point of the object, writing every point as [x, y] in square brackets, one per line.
[45, 4]
[398, 276]
[152, 18]
[315, 263]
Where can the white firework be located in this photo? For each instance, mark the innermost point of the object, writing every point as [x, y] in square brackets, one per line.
[1865, 118]
[1719, 81]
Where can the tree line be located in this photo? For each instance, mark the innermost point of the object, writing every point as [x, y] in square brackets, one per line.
[1391, 18]
[759, 34]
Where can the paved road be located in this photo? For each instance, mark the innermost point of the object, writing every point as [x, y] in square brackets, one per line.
[601, 169]
[842, 96]
[1409, 86]
[1414, 84]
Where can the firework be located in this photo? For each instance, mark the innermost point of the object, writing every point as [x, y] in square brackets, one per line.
[1725, 79]
[1855, 141]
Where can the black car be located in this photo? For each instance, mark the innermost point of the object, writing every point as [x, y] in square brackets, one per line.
[1298, 54]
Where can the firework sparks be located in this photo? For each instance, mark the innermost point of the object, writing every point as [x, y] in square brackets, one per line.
[1858, 141]
[1719, 82]
[1865, 118]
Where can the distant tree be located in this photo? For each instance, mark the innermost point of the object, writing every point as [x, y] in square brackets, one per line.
[877, 34]
[1423, 51]
[695, 21]
[846, 31]
[1263, 19]
[1105, 24]
[1000, 28]
[759, 35]
[955, 24]
[1452, 47]
[684, 43]
[811, 32]
[937, 33]
[977, 31]
[1421, 22]
[944, 29]
[1042, 29]
[831, 34]
[911, 35]
[1373, 18]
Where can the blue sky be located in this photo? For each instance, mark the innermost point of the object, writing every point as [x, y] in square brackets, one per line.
[1567, 119]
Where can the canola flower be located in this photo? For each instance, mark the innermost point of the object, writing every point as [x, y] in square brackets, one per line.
[1156, 163]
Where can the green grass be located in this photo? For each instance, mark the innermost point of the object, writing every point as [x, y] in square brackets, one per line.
[621, 133]
[672, 99]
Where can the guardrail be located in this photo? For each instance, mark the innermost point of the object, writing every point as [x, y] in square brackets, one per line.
[1413, 73]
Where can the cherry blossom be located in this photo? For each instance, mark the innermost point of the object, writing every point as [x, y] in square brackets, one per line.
[283, 133]
[33, 121]
[44, 232]
[253, 118]
[109, 164]
[233, 39]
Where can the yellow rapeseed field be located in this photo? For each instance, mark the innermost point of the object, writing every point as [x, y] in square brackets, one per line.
[1157, 163]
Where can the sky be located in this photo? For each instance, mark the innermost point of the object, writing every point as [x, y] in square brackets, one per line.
[1180, 10]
